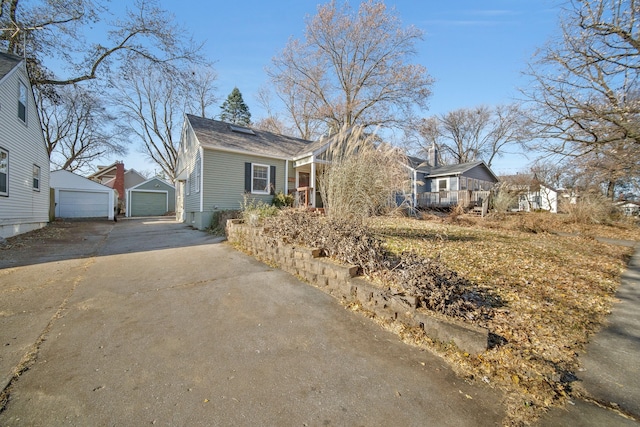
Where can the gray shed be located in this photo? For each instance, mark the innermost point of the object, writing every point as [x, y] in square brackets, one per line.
[153, 197]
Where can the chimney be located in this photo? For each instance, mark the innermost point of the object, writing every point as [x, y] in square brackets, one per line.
[118, 184]
[433, 156]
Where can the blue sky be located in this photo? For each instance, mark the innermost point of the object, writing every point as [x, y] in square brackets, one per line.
[475, 50]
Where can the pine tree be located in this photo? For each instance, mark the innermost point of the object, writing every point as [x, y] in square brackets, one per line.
[234, 110]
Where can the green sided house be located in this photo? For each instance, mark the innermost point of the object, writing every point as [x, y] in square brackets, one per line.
[218, 163]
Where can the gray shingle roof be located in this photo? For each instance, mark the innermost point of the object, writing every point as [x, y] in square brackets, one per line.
[453, 169]
[423, 166]
[217, 134]
[8, 63]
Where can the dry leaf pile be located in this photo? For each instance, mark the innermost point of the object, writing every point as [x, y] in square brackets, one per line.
[555, 292]
[437, 287]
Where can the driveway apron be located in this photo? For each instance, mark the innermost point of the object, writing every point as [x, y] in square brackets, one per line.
[164, 325]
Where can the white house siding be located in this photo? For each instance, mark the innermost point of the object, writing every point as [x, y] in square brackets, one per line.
[23, 209]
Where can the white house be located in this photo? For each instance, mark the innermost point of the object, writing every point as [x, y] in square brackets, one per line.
[543, 198]
[79, 197]
[24, 161]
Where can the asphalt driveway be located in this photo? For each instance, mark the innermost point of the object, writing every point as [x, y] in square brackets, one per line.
[147, 322]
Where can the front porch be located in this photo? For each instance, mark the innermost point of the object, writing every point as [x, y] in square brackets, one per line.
[443, 199]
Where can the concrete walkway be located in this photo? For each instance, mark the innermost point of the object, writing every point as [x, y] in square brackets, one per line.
[609, 378]
[148, 322]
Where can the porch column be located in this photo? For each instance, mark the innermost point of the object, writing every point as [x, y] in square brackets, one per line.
[312, 183]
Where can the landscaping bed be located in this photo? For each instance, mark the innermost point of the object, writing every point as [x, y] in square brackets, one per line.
[540, 294]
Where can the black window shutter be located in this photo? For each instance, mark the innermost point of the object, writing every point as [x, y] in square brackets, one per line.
[247, 177]
[273, 180]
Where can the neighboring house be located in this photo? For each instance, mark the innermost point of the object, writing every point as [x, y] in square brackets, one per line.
[532, 194]
[79, 197]
[24, 162]
[539, 197]
[117, 177]
[434, 185]
[153, 197]
[218, 163]
[629, 208]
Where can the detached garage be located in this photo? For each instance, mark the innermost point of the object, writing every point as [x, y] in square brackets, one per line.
[79, 197]
[153, 197]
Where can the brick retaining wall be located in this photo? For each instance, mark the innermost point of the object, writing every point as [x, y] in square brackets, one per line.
[341, 281]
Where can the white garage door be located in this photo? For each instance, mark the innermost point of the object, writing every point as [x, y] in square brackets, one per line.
[83, 204]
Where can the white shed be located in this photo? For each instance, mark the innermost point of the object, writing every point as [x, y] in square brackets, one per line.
[79, 197]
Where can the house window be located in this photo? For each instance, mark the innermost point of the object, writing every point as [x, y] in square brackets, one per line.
[442, 185]
[303, 179]
[4, 172]
[36, 177]
[22, 102]
[463, 183]
[260, 179]
[197, 173]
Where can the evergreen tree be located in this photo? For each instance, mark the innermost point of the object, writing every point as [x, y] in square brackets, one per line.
[234, 110]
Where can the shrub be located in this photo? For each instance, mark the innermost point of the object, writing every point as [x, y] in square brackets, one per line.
[254, 212]
[503, 199]
[362, 177]
[281, 200]
[591, 208]
[219, 220]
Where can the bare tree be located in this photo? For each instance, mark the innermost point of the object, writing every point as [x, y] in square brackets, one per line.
[585, 89]
[78, 129]
[154, 103]
[54, 30]
[351, 68]
[471, 134]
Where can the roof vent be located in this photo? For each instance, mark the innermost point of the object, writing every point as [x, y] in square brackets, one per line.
[241, 129]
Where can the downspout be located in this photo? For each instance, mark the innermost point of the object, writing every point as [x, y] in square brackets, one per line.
[201, 179]
[286, 177]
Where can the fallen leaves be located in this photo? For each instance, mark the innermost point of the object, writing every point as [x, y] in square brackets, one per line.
[555, 292]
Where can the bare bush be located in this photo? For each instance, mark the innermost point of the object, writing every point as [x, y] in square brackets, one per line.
[591, 208]
[503, 199]
[361, 177]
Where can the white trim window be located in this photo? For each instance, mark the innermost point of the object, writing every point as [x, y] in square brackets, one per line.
[260, 179]
[4, 172]
[36, 177]
[197, 171]
[22, 102]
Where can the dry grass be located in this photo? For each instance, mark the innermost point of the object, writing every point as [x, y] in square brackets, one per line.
[556, 291]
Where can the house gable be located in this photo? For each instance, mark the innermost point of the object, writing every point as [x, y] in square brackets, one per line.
[24, 161]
